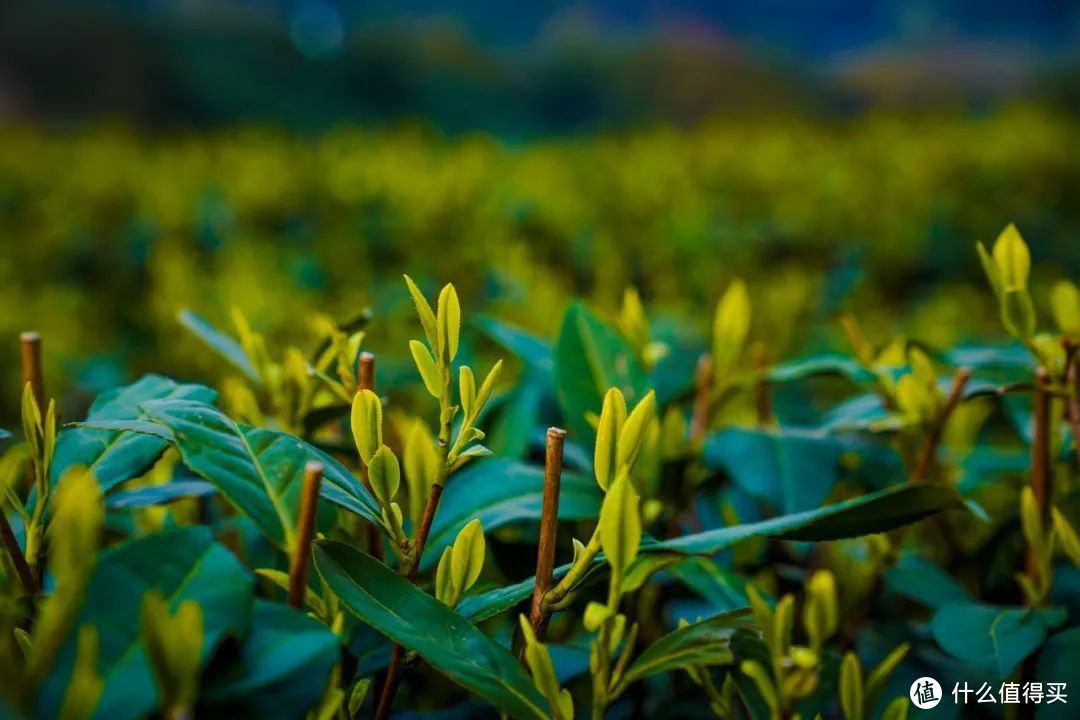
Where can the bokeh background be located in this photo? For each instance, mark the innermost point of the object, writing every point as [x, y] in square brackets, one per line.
[291, 156]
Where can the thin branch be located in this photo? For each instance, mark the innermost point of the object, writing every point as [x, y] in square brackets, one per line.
[549, 517]
[305, 532]
[31, 366]
[703, 381]
[1072, 404]
[928, 455]
[1040, 443]
[26, 575]
[366, 381]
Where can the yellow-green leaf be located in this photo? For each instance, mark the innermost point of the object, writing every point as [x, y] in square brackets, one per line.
[1066, 534]
[730, 326]
[620, 524]
[820, 615]
[1013, 259]
[421, 467]
[429, 371]
[449, 323]
[633, 431]
[1065, 305]
[851, 687]
[612, 419]
[993, 275]
[423, 309]
[367, 424]
[467, 391]
[384, 474]
[467, 559]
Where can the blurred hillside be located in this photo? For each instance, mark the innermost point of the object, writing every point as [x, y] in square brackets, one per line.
[523, 69]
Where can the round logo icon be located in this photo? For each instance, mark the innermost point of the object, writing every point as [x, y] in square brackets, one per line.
[925, 693]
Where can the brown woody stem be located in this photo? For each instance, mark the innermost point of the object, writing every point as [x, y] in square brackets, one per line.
[703, 381]
[928, 455]
[31, 366]
[549, 517]
[1072, 405]
[366, 381]
[305, 532]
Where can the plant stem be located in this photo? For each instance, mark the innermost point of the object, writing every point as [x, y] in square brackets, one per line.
[1040, 459]
[366, 381]
[1072, 384]
[602, 674]
[26, 575]
[928, 456]
[413, 566]
[305, 531]
[31, 366]
[703, 381]
[30, 346]
[549, 517]
[577, 571]
[1040, 444]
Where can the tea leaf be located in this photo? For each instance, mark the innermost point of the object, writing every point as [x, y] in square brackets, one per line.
[429, 371]
[702, 643]
[182, 564]
[1013, 260]
[995, 639]
[449, 323]
[283, 664]
[423, 309]
[633, 430]
[467, 558]
[590, 357]
[384, 473]
[851, 687]
[114, 456]
[620, 524]
[367, 420]
[606, 456]
[409, 616]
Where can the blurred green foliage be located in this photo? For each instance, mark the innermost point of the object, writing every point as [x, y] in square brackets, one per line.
[107, 234]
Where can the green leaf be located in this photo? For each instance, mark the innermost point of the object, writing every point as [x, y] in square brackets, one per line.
[385, 475]
[412, 618]
[279, 669]
[591, 357]
[792, 470]
[429, 371]
[925, 583]
[182, 564]
[1013, 259]
[1065, 305]
[866, 515]
[366, 421]
[467, 556]
[851, 687]
[993, 638]
[731, 323]
[1059, 662]
[702, 643]
[532, 350]
[158, 494]
[112, 455]
[219, 342]
[815, 365]
[501, 492]
[423, 309]
[449, 322]
[259, 471]
[620, 524]
[606, 456]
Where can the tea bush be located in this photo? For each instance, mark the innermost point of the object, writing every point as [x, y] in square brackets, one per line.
[738, 538]
[106, 232]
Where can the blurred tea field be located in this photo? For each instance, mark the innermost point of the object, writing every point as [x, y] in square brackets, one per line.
[107, 234]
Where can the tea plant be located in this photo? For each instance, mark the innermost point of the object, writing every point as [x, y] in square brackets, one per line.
[310, 544]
